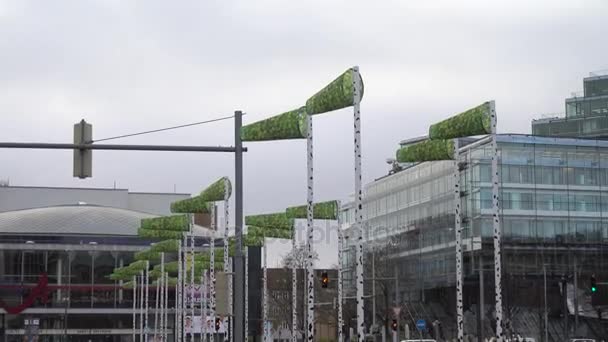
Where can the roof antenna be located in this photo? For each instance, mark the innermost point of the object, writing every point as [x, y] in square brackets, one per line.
[114, 184]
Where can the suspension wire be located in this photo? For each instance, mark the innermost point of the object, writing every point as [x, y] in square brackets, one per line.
[164, 129]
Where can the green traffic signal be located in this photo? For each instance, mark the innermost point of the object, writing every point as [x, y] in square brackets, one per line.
[593, 289]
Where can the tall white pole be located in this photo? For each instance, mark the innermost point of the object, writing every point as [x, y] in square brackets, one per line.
[163, 308]
[310, 288]
[192, 278]
[141, 306]
[165, 276]
[134, 307]
[157, 297]
[246, 293]
[340, 247]
[497, 230]
[294, 290]
[458, 230]
[212, 265]
[358, 204]
[204, 305]
[265, 296]
[147, 298]
[178, 294]
[230, 332]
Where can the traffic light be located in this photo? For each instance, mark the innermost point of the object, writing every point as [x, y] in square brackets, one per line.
[83, 159]
[394, 325]
[217, 323]
[593, 284]
[324, 280]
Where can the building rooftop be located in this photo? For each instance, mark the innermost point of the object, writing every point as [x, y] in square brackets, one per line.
[78, 220]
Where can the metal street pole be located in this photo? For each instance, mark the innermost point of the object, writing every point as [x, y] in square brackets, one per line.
[239, 289]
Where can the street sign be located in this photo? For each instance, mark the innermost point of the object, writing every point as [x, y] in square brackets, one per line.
[421, 324]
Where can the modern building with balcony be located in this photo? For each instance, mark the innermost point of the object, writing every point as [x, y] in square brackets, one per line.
[554, 210]
[586, 113]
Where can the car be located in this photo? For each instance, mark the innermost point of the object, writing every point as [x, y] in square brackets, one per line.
[419, 340]
[582, 340]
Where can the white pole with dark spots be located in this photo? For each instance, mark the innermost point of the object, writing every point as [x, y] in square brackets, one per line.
[310, 232]
[246, 293]
[212, 265]
[192, 280]
[156, 309]
[163, 308]
[265, 295]
[204, 305]
[229, 334]
[294, 290]
[496, 225]
[178, 293]
[141, 306]
[358, 204]
[147, 298]
[134, 307]
[458, 230]
[340, 247]
[166, 305]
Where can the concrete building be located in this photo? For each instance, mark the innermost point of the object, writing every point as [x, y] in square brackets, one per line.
[554, 204]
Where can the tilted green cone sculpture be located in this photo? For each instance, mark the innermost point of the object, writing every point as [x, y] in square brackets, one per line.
[174, 223]
[218, 191]
[289, 125]
[148, 254]
[321, 211]
[475, 121]
[191, 205]
[427, 150]
[159, 234]
[166, 246]
[336, 95]
[274, 221]
[127, 272]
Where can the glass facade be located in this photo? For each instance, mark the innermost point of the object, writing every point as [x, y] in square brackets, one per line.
[554, 203]
[80, 292]
[586, 116]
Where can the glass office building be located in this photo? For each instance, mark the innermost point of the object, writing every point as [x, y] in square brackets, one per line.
[554, 204]
[67, 254]
[586, 114]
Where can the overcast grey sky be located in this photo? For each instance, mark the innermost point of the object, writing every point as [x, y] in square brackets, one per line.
[128, 66]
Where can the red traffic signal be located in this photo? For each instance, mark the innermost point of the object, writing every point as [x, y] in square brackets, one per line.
[324, 280]
[394, 325]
